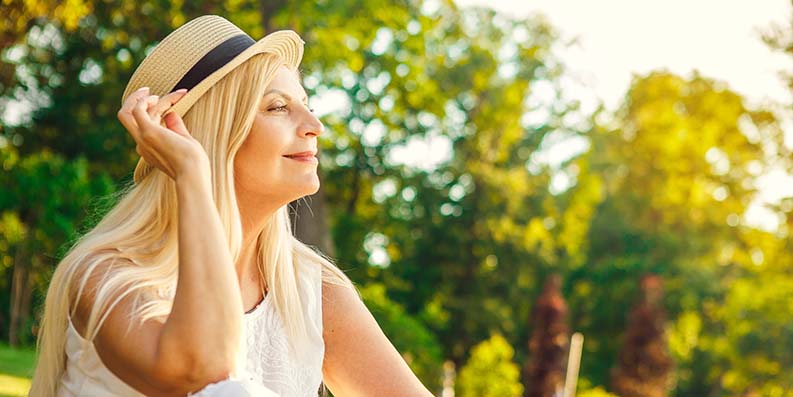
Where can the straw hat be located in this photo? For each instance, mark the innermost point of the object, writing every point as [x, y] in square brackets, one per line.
[197, 55]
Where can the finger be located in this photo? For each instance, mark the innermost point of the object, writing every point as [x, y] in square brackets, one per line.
[125, 113]
[175, 123]
[142, 117]
[147, 131]
[151, 108]
[169, 100]
[133, 98]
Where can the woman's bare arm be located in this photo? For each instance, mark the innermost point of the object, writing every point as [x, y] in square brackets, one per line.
[359, 358]
[198, 342]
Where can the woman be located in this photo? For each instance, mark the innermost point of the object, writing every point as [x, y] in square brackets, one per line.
[194, 278]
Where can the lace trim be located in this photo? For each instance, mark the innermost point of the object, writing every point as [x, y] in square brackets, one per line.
[268, 360]
[257, 307]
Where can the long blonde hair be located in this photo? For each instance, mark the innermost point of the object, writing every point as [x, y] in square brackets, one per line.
[142, 230]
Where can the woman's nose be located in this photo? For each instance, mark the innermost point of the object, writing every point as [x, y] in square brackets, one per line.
[312, 125]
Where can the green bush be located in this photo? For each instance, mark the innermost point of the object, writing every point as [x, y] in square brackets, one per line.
[596, 392]
[418, 345]
[490, 371]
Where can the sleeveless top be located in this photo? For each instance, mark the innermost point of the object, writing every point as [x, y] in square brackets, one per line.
[264, 353]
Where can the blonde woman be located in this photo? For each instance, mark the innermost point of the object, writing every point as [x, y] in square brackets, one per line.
[193, 283]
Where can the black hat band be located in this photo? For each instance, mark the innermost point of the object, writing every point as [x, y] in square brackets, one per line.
[214, 60]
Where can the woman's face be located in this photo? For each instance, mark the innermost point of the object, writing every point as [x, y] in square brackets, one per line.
[277, 160]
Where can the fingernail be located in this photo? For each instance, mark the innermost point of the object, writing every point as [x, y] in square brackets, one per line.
[143, 89]
[181, 90]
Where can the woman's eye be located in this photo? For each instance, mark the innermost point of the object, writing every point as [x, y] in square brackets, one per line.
[278, 108]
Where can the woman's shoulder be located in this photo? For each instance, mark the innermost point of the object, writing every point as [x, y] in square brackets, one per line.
[90, 275]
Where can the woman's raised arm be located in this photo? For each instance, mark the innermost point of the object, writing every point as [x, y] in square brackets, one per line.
[198, 342]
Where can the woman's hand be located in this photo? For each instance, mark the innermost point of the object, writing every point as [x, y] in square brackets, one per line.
[169, 148]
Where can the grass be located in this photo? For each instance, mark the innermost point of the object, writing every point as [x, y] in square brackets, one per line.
[16, 368]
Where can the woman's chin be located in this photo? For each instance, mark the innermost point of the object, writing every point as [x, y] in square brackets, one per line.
[314, 189]
[309, 188]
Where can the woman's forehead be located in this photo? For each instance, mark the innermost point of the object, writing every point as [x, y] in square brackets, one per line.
[286, 82]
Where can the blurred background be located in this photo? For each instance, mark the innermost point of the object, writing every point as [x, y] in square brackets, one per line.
[496, 177]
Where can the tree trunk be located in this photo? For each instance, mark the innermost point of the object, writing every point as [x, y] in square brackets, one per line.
[267, 9]
[27, 296]
[310, 222]
[20, 300]
[308, 213]
[544, 372]
[644, 365]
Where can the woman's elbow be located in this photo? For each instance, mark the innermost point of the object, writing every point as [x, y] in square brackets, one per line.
[192, 371]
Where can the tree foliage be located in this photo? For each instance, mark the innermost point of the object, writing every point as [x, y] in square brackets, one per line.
[417, 344]
[452, 185]
[490, 371]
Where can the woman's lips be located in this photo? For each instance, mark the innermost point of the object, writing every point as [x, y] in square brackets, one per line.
[306, 158]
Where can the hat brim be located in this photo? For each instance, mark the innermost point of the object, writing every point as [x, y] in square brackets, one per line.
[285, 44]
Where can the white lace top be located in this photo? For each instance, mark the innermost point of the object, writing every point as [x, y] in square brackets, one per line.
[268, 360]
[264, 357]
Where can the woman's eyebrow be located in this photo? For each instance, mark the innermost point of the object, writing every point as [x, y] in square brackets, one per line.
[285, 95]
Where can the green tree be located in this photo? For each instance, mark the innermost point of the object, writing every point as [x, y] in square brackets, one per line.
[458, 248]
[596, 392]
[43, 198]
[465, 235]
[413, 340]
[405, 72]
[64, 71]
[490, 371]
[679, 163]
